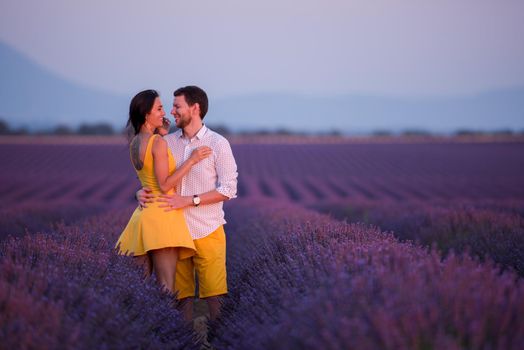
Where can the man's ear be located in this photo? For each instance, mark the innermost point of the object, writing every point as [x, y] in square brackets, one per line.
[197, 108]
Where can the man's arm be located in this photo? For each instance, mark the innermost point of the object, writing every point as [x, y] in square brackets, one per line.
[144, 196]
[176, 201]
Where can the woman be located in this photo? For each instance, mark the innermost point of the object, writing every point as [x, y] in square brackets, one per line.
[156, 238]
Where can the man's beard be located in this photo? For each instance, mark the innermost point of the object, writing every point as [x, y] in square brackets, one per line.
[183, 122]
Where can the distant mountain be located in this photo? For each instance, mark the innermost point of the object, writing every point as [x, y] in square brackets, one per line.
[34, 97]
[488, 111]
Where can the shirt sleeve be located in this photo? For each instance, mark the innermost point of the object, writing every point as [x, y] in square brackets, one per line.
[226, 168]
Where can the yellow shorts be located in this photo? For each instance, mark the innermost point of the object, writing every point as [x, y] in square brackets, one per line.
[209, 264]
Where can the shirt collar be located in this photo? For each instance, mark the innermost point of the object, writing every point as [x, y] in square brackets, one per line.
[200, 134]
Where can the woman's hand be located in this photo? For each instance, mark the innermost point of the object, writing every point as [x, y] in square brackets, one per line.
[199, 154]
[164, 129]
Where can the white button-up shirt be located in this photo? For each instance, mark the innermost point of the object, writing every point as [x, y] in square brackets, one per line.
[216, 172]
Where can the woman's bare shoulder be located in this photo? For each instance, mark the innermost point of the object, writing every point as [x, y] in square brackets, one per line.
[159, 144]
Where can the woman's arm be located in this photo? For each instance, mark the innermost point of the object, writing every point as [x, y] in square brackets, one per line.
[227, 174]
[161, 164]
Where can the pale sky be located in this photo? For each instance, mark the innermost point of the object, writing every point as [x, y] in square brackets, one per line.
[236, 47]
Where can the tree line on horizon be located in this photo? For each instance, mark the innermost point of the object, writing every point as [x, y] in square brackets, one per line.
[108, 130]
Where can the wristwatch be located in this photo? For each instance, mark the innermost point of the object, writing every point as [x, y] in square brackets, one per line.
[196, 200]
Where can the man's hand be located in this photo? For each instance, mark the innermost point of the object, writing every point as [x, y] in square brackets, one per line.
[144, 196]
[174, 201]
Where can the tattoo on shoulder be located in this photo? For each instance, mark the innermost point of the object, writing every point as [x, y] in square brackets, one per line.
[135, 153]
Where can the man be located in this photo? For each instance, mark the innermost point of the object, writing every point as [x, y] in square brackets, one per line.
[201, 195]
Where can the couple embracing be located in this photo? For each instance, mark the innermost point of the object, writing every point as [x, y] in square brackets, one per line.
[177, 230]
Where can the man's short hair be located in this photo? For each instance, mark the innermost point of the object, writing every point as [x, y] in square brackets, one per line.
[194, 94]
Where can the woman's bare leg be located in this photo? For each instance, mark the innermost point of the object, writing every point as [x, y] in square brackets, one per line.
[145, 262]
[164, 264]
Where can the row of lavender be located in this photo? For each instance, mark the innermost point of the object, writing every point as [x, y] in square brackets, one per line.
[93, 175]
[68, 289]
[492, 229]
[16, 220]
[297, 280]
[396, 172]
[292, 277]
[302, 280]
[102, 174]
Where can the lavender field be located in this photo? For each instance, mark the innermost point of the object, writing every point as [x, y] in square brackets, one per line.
[404, 245]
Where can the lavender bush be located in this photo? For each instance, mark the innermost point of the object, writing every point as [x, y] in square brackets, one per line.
[69, 289]
[493, 229]
[39, 217]
[301, 280]
[298, 279]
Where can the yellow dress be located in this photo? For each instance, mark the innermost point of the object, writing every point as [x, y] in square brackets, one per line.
[153, 228]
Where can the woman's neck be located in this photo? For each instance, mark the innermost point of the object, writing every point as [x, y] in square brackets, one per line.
[145, 130]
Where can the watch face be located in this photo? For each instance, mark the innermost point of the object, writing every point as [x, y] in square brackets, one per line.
[196, 200]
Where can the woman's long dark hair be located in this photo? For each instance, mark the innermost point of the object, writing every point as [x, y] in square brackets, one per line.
[140, 106]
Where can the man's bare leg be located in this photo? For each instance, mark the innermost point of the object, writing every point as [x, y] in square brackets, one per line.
[214, 304]
[186, 307]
